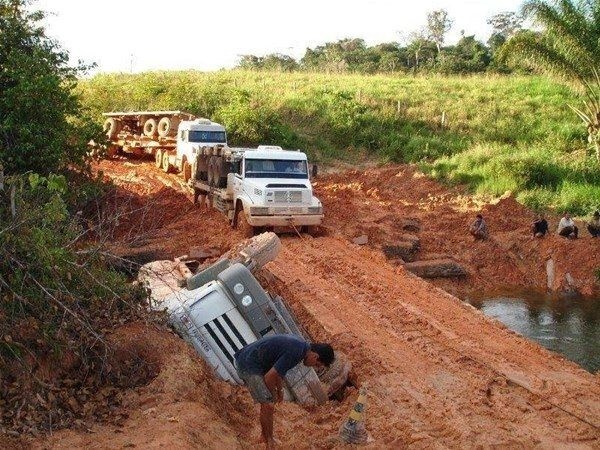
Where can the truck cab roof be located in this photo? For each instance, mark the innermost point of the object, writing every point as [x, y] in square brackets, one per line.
[274, 152]
[201, 125]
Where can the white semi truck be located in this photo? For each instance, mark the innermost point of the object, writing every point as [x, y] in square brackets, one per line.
[263, 187]
[171, 137]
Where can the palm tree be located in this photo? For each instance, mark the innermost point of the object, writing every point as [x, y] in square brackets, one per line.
[569, 44]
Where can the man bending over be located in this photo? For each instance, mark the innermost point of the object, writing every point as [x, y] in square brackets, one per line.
[263, 364]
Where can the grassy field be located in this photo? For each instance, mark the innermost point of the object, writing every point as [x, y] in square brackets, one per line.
[494, 133]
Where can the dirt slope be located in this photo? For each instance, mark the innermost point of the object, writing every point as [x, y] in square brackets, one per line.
[440, 374]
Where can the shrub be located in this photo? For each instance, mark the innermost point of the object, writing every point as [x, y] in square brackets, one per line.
[57, 300]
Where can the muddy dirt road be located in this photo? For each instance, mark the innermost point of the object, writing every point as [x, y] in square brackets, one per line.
[439, 373]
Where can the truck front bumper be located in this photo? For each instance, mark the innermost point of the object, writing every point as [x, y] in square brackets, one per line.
[285, 220]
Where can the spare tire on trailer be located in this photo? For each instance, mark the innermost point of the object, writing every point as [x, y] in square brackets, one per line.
[150, 128]
[167, 126]
[111, 127]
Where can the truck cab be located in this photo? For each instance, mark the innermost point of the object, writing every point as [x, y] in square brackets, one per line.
[272, 187]
[192, 135]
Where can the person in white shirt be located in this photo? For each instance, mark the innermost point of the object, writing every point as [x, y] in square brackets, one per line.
[567, 227]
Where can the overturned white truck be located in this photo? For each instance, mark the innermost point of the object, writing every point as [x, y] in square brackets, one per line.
[263, 186]
[223, 308]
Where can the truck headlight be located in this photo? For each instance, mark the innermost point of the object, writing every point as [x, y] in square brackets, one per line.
[259, 211]
[315, 210]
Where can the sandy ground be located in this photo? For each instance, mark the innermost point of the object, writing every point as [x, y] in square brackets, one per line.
[439, 373]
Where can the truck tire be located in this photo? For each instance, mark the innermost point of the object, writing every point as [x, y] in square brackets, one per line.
[202, 170]
[220, 180]
[158, 156]
[111, 127]
[166, 163]
[150, 128]
[244, 227]
[186, 170]
[167, 126]
[213, 175]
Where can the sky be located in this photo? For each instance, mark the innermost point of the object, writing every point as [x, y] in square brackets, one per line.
[141, 35]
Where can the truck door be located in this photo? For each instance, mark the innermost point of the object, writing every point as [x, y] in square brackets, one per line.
[237, 179]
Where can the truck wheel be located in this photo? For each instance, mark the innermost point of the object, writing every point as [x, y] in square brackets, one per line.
[212, 180]
[111, 127]
[243, 226]
[166, 163]
[158, 158]
[165, 126]
[202, 161]
[220, 180]
[186, 170]
[150, 128]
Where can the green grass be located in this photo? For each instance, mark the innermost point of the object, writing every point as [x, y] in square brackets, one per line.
[501, 133]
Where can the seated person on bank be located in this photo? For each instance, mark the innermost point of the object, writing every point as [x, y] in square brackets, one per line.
[567, 227]
[478, 229]
[539, 227]
[594, 225]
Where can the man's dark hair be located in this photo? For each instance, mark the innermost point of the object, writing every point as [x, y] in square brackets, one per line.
[325, 352]
[479, 216]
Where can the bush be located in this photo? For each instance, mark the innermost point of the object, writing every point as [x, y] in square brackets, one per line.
[42, 125]
[57, 300]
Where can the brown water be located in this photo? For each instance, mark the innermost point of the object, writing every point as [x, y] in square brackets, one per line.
[567, 325]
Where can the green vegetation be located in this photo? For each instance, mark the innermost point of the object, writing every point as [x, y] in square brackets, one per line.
[42, 126]
[570, 43]
[57, 296]
[498, 133]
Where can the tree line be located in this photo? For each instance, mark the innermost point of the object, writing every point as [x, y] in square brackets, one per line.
[423, 50]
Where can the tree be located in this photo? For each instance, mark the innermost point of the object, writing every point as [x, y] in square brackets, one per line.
[41, 125]
[467, 56]
[421, 49]
[568, 46]
[273, 61]
[438, 24]
[505, 24]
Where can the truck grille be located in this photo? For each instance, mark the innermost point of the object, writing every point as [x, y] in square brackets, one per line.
[226, 336]
[288, 196]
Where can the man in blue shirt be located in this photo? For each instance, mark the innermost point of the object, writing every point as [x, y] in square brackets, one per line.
[263, 364]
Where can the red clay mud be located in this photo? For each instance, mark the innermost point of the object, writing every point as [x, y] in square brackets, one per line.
[439, 373]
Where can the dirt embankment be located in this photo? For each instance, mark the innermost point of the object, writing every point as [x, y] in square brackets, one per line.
[377, 202]
[439, 373]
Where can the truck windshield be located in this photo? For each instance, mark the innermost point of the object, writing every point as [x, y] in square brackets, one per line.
[276, 168]
[217, 137]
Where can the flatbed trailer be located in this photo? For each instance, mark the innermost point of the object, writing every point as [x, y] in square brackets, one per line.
[143, 132]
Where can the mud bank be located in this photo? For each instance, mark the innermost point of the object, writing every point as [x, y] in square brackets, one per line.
[439, 372]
